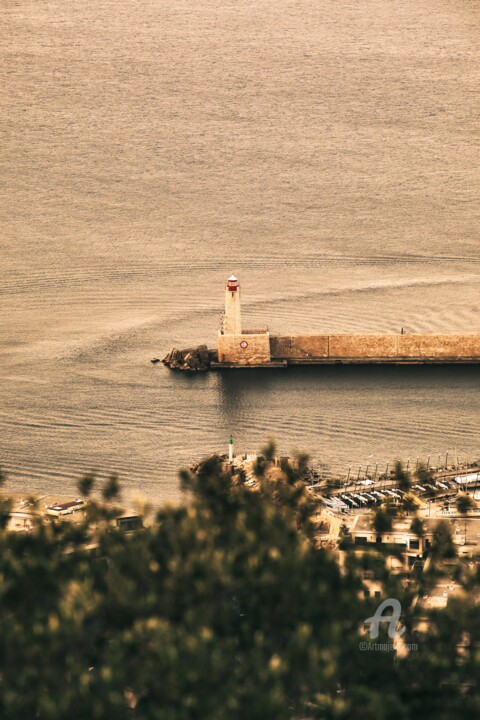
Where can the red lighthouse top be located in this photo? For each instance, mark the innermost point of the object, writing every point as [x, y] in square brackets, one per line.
[232, 284]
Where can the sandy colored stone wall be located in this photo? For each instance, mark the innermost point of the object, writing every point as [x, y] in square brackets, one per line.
[311, 346]
[439, 345]
[363, 346]
[244, 349]
[298, 347]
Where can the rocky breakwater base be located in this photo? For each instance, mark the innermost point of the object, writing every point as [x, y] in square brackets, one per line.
[191, 360]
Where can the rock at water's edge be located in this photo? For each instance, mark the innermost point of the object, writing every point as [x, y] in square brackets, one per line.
[189, 360]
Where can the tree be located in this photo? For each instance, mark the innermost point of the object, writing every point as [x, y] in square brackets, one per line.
[423, 473]
[223, 608]
[111, 491]
[402, 476]
[464, 504]
[382, 521]
[417, 526]
[86, 484]
[218, 610]
[410, 502]
[443, 547]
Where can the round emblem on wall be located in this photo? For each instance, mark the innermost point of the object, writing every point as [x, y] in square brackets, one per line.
[244, 344]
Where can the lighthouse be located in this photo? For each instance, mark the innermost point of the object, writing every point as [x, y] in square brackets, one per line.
[232, 324]
[235, 344]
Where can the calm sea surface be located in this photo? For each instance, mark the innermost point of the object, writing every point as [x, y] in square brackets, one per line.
[326, 152]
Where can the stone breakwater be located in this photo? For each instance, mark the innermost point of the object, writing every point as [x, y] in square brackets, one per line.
[238, 347]
[400, 348]
[264, 350]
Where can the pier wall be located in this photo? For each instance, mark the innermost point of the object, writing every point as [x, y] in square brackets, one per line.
[298, 346]
[304, 347]
[363, 346]
[259, 348]
[439, 345]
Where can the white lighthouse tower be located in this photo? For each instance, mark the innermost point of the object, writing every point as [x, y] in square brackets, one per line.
[232, 324]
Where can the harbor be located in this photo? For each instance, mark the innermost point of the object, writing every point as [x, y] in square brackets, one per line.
[396, 511]
[436, 487]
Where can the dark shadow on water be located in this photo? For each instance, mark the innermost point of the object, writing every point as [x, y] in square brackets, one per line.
[194, 379]
[234, 382]
[237, 386]
[346, 391]
[242, 395]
